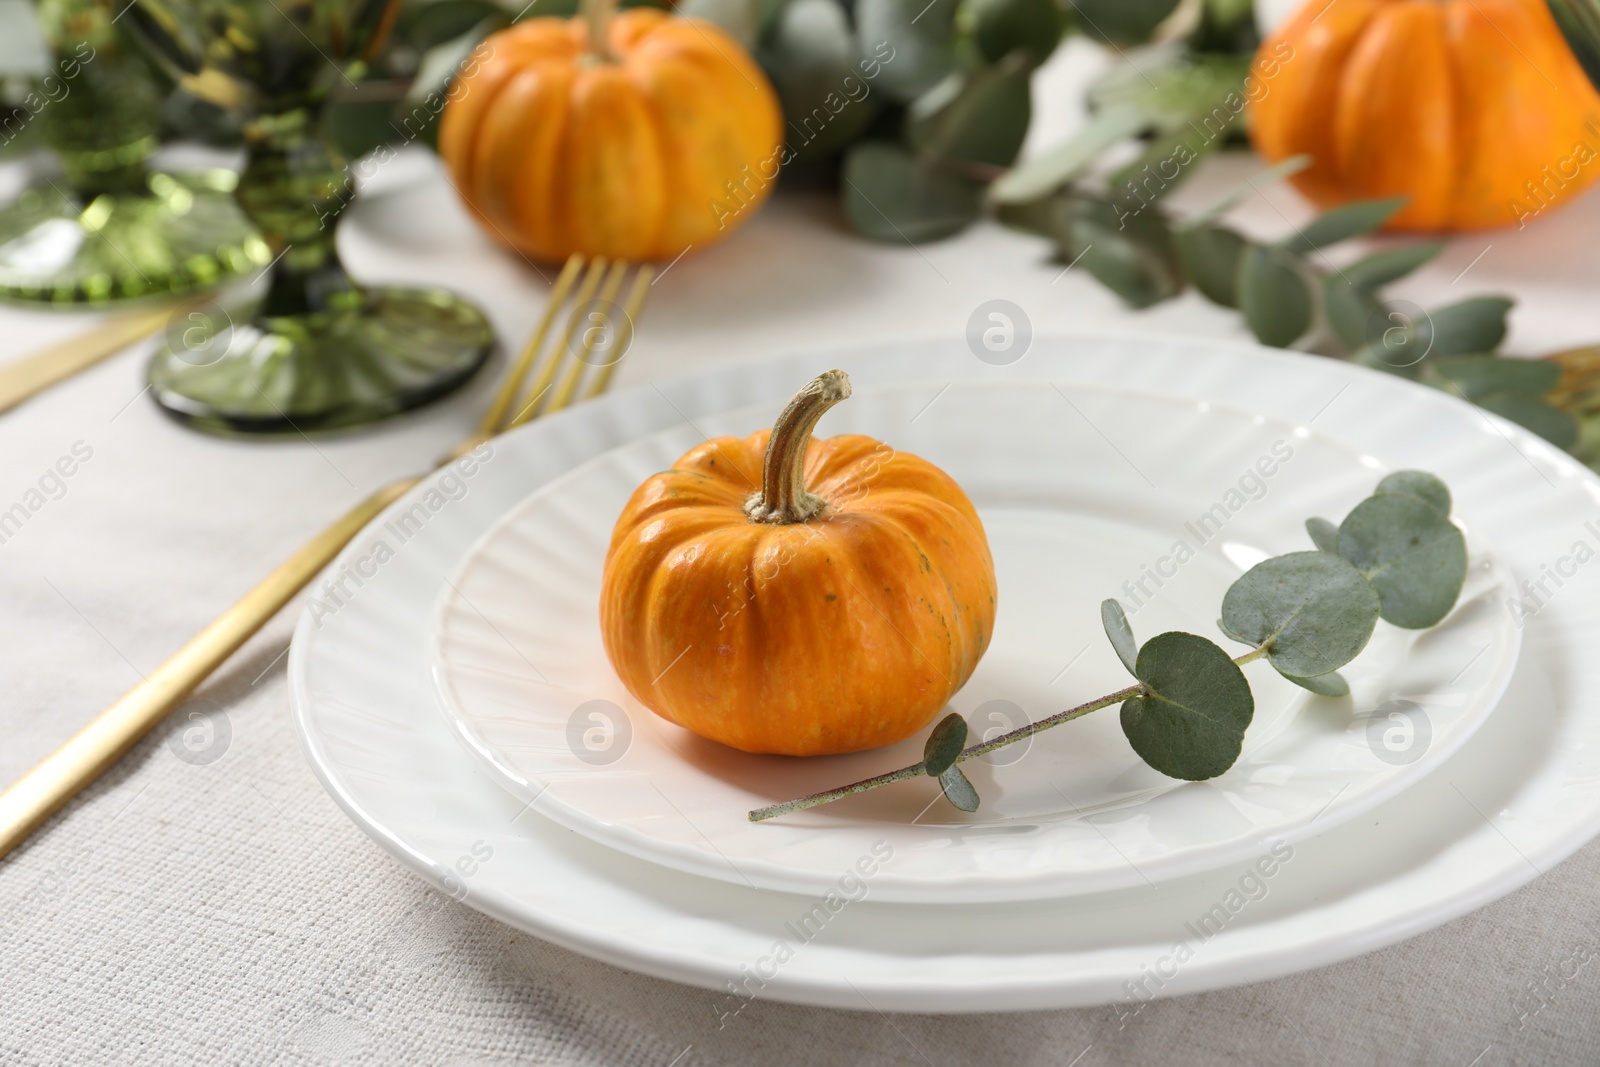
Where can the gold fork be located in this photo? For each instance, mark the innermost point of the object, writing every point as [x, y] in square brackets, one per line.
[45, 789]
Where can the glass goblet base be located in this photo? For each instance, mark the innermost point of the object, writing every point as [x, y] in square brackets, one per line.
[180, 233]
[394, 349]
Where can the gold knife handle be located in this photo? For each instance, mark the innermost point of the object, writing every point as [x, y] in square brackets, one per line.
[22, 378]
[62, 775]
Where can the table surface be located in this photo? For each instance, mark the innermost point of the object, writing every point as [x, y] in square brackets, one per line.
[230, 913]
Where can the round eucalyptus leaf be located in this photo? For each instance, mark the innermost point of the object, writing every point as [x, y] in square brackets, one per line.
[1342, 223]
[1465, 328]
[1411, 552]
[958, 790]
[810, 55]
[1381, 268]
[1190, 721]
[888, 196]
[1419, 484]
[1356, 316]
[1531, 413]
[1313, 610]
[944, 745]
[1476, 376]
[1273, 296]
[980, 117]
[1121, 21]
[999, 27]
[1324, 534]
[1115, 620]
[1331, 684]
[1211, 256]
[920, 36]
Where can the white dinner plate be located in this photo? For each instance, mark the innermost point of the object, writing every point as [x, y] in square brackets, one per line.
[1193, 494]
[1520, 795]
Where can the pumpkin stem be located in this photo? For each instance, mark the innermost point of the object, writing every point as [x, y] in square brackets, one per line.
[783, 497]
[598, 13]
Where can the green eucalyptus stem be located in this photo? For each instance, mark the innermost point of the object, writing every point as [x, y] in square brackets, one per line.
[982, 748]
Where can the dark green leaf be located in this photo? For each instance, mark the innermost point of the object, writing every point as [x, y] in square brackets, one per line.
[809, 54]
[1136, 261]
[430, 25]
[958, 790]
[999, 27]
[1357, 317]
[1190, 721]
[1381, 268]
[1046, 173]
[1121, 21]
[1324, 534]
[1466, 328]
[1476, 376]
[1413, 555]
[944, 744]
[983, 121]
[1331, 684]
[1420, 484]
[1315, 611]
[889, 196]
[1273, 296]
[1531, 413]
[1342, 223]
[1164, 164]
[1211, 257]
[1120, 633]
[922, 35]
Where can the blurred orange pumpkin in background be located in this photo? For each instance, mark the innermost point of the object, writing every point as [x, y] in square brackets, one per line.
[632, 135]
[1475, 109]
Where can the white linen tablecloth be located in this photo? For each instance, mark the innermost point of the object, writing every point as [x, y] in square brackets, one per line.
[230, 913]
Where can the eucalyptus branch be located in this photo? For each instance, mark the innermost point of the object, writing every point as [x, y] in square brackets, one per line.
[920, 768]
[1397, 556]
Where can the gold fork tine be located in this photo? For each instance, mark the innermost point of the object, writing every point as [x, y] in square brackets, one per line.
[28, 802]
[630, 315]
[512, 386]
[552, 361]
[608, 300]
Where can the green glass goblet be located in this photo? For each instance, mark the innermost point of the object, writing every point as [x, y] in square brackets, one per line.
[108, 228]
[319, 351]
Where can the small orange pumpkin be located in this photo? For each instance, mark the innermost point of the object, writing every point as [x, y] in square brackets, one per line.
[634, 136]
[796, 596]
[1475, 109]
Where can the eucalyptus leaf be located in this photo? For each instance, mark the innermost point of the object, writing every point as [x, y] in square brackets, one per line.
[1273, 296]
[958, 790]
[1381, 268]
[1202, 94]
[739, 19]
[889, 196]
[1190, 720]
[944, 744]
[1210, 256]
[430, 25]
[1476, 376]
[922, 36]
[1115, 620]
[1356, 316]
[1314, 611]
[1253, 184]
[1039, 177]
[1342, 223]
[1129, 253]
[983, 121]
[1420, 484]
[1324, 534]
[1121, 21]
[1466, 328]
[1411, 552]
[999, 27]
[1331, 684]
[810, 54]
[1162, 167]
[1531, 413]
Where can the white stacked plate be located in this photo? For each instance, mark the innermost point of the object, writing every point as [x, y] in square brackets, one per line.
[458, 704]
